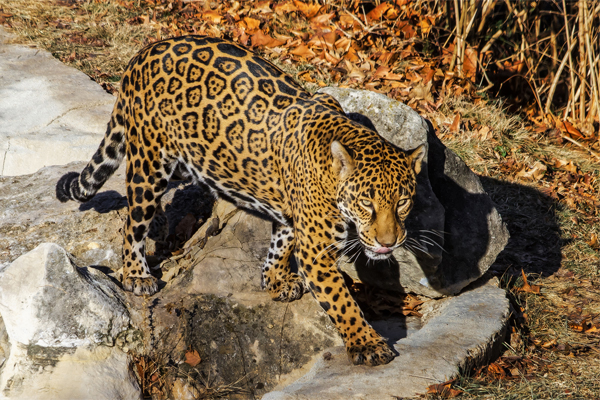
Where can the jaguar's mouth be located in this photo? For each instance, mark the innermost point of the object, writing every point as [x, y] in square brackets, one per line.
[381, 253]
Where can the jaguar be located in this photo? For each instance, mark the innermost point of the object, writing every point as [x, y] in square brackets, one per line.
[212, 111]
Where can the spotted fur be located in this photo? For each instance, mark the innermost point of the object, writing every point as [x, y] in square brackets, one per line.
[210, 110]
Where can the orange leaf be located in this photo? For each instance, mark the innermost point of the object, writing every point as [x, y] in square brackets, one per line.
[593, 242]
[568, 127]
[321, 20]
[286, 7]
[346, 21]
[192, 358]
[309, 10]
[351, 55]
[323, 40]
[306, 76]
[211, 16]
[262, 6]
[444, 390]
[455, 124]
[303, 51]
[527, 288]
[378, 12]
[260, 39]
[343, 43]
[252, 23]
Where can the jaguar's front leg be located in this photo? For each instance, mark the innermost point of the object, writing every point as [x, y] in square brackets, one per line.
[363, 344]
[277, 277]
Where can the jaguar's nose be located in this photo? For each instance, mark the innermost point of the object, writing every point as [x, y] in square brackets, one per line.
[387, 243]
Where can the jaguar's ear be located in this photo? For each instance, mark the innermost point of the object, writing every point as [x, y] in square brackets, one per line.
[416, 158]
[343, 164]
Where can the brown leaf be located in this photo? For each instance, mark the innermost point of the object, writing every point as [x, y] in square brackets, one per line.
[211, 16]
[260, 39]
[527, 288]
[192, 358]
[535, 173]
[321, 21]
[351, 55]
[444, 390]
[303, 51]
[455, 126]
[262, 7]
[567, 166]
[285, 7]
[309, 10]
[570, 130]
[252, 24]
[593, 242]
[323, 40]
[378, 12]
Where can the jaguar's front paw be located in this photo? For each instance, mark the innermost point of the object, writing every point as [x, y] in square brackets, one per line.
[289, 289]
[141, 286]
[376, 352]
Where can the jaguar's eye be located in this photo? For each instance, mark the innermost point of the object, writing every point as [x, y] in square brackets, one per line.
[366, 203]
[402, 204]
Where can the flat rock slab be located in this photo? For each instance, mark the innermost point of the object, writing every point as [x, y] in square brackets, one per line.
[466, 330]
[51, 114]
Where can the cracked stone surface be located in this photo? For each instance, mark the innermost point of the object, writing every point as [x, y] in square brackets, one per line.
[51, 114]
[62, 323]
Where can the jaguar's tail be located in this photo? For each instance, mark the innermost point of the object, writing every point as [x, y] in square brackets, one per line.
[82, 187]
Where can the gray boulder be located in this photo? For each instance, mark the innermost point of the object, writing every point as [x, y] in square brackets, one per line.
[452, 211]
[62, 324]
[51, 113]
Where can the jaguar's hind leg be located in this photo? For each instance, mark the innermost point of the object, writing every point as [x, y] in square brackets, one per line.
[277, 277]
[146, 183]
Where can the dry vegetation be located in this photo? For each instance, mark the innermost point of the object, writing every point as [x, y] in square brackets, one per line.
[512, 87]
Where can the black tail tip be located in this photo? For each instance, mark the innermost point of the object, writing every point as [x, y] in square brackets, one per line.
[63, 187]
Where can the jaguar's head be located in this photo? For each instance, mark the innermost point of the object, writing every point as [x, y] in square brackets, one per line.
[375, 192]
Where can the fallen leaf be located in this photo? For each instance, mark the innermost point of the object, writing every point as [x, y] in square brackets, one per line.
[252, 24]
[260, 39]
[321, 20]
[566, 165]
[192, 358]
[535, 173]
[570, 130]
[262, 6]
[212, 16]
[378, 12]
[286, 7]
[455, 126]
[309, 10]
[303, 51]
[593, 242]
[527, 288]
[444, 390]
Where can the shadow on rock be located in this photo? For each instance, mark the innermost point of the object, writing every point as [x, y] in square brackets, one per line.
[535, 243]
[104, 202]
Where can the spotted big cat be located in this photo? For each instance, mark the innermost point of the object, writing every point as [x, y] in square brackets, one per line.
[216, 113]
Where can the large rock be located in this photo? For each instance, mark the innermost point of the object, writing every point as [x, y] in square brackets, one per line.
[465, 331]
[51, 114]
[452, 211]
[31, 215]
[62, 323]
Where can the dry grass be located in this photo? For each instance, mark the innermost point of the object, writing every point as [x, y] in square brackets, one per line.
[93, 37]
[551, 227]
